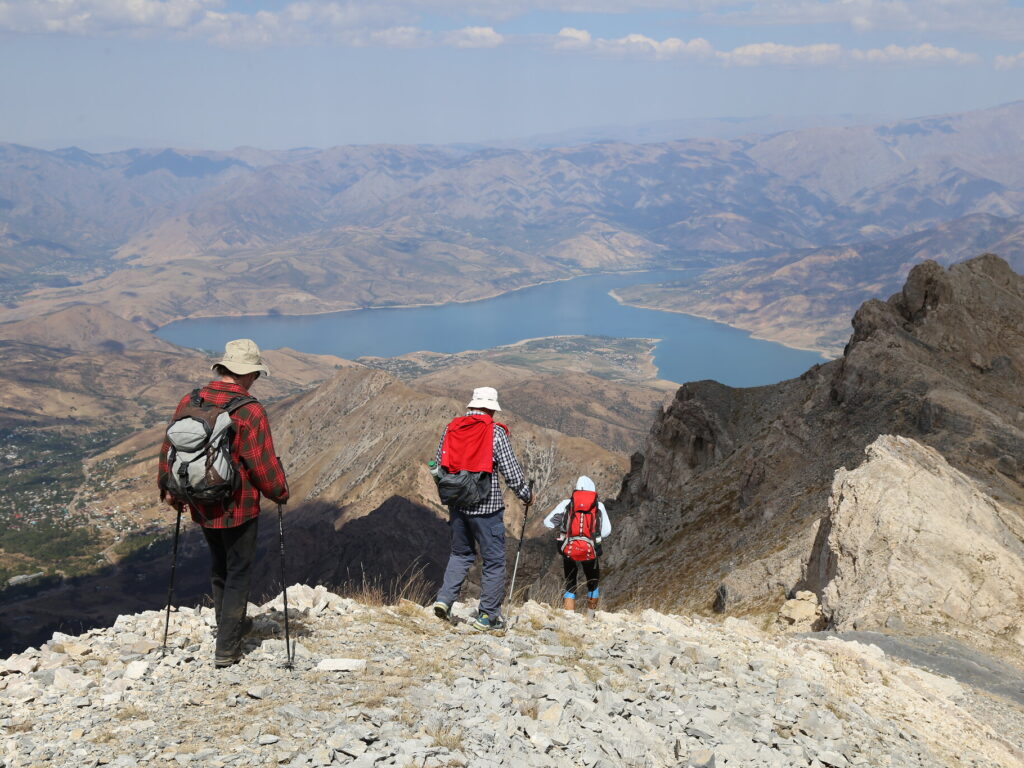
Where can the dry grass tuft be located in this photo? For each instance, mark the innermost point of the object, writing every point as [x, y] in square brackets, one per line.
[446, 736]
[411, 586]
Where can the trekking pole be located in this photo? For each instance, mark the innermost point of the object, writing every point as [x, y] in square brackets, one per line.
[519, 549]
[284, 585]
[170, 587]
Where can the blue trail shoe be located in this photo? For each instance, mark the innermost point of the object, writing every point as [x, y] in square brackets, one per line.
[443, 611]
[485, 623]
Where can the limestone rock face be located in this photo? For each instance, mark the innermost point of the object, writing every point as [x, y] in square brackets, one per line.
[910, 537]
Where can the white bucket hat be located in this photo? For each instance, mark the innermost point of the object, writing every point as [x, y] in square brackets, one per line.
[485, 397]
[242, 356]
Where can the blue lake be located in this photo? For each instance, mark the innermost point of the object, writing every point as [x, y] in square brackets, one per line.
[690, 348]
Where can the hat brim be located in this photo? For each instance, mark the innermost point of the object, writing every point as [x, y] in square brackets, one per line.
[240, 369]
[490, 404]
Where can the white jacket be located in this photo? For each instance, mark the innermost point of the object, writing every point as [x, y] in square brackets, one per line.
[584, 483]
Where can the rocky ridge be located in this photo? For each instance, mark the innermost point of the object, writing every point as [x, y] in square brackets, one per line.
[393, 686]
[727, 508]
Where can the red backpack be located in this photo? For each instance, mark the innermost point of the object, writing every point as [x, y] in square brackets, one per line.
[581, 525]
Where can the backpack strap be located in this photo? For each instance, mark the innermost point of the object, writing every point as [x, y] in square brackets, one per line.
[238, 401]
[195, 397]
[567, 514]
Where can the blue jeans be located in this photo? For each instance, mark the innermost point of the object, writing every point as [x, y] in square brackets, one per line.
[469, 533]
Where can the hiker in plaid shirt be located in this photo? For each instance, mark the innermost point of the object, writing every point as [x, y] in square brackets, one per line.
[481, 525]
[230, 529]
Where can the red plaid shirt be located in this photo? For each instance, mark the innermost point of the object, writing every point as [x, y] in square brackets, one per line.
[252, 451]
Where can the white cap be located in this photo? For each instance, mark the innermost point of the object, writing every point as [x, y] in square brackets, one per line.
[584, 483]
[485, 397]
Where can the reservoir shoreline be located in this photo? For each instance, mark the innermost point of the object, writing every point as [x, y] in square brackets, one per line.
[691, 347]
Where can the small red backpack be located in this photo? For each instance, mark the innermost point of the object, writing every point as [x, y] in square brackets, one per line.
[581, 525]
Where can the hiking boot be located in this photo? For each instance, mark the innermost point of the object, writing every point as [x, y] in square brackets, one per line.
[220, 662]
[443, 611]
[568, 604]
[485, 623]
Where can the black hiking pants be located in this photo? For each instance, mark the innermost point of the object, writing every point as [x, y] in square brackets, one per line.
[232, 551]
[591, 570]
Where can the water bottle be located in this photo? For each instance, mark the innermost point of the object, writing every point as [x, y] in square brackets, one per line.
[435, 470]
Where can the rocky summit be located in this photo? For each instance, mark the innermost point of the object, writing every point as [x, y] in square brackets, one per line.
[744, 497]
[394, 686]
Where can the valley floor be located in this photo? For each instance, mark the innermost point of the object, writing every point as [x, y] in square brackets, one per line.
[624, 690]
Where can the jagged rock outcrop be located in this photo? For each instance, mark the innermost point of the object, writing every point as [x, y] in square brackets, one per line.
[801, 613]
[912, 543]
[393, 686]
[722, 509]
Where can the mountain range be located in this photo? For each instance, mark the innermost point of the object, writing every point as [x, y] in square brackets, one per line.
[805, 298]
[158, 235]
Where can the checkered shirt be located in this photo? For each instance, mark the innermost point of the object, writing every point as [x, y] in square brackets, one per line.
[252, 452]
[504, 461]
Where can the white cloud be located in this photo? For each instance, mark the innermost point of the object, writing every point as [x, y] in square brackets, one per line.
[399, 37]
[1003, 19]
[83, 17]
[572, 39]
[669, 48]
[390, 23]
[398, 23]
[1010, 62]
[761, 54]
[474, 37]
[756, 54]
[916, 54]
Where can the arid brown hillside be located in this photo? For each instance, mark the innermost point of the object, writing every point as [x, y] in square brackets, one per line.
[802, 298]
[603, 389]
[363, 502]
[722, 509]
[76, 365]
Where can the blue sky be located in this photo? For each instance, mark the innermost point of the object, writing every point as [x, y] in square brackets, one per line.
[216, 74]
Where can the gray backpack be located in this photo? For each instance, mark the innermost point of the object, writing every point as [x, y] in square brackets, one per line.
[199, 460]
[462, 489]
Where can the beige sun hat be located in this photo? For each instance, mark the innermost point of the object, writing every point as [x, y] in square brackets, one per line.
[242, 356]
[485, 397]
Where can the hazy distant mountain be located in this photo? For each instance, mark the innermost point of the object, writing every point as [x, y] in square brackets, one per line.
[164, 234]
[658, 131]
